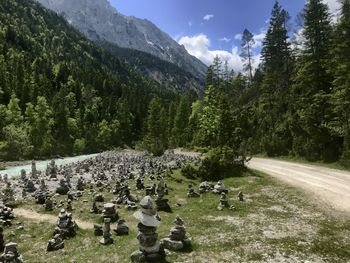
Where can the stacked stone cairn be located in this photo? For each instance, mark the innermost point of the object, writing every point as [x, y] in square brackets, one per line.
[2, 241]
[240, 196]
[162, 201]
[29, 186]
[6, 215]
[98, 230]
[106, 239]
[48, 204]
[109, 211]
[55, 244]
[63, 188]
[223, 201]
[51, 170]
[191, 192]
[177, 240]
[205, 187]
[34, 174]
[11, 254]
[122, 228]
[150, 249]
[219, 188]
[80, 184]
[66, 226]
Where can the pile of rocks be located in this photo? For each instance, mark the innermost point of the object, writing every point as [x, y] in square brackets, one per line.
[56, 243]
[106, 239]
[11, 254]
[177, 240]
[66, 226]
[150, 249]
[6, 215]
[220, 188]
[109, 211]
[191, 192]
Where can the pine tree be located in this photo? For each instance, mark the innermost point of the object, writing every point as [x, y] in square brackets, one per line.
[246, 52]
[312, 112]
[180, 131]
[273, 130]
[155, 137]
[340, 69]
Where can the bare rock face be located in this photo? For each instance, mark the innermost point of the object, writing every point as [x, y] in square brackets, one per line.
[98, 20]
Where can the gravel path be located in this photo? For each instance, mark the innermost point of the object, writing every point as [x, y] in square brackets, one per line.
[327, 185]
[32, 215]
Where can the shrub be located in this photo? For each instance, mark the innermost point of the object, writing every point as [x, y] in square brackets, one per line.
[189, 172]
[219, 164]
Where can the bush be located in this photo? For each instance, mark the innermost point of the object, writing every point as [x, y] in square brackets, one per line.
[189, 172]
[79, 146]
[219, 164]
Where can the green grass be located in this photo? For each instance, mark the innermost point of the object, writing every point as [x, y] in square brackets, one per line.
[274, 220]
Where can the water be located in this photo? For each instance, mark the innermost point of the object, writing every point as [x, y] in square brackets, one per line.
[41, 165]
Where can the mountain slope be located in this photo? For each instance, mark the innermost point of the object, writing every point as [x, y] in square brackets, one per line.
[98, 20]
[163, 72]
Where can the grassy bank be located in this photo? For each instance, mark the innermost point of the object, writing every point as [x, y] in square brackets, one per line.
[275, 222]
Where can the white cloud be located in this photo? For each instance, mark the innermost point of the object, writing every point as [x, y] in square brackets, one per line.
[259, 38]
[199, 46]
[208, 17]
[190, 24]
[334, 6]
[238, 36]
[225, 39]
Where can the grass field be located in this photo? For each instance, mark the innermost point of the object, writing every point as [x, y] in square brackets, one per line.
[276, 223]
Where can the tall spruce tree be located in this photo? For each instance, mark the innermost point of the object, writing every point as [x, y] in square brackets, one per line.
[276, 62]
[312, 111]
[340, 68]
[246, 52]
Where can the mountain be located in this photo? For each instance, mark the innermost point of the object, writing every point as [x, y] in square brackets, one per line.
[61, 93]
[98, 20]
[163, 72]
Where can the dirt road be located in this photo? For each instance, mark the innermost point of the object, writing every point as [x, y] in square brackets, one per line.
[327, 185]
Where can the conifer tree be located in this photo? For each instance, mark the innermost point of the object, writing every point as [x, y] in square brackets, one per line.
[340, 69]
[312, 112]
[246, 52]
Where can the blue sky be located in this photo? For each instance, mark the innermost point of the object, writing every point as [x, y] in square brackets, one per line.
[210, 27]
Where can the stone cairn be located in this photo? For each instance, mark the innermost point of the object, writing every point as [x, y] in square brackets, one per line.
[51, 170]
[177, 240]
[34, 174]
[223, 201]
[122, 228]
[66, 227]
[106, 239]
[56, 243]
[240, 196]
[219, 188]
[11, 254]
[150, 249]
[48, 204]
[162, 201]
[63, 188]
[191, 192]
[6, 215]
[2, 241]
[205, 187]
[110, 212]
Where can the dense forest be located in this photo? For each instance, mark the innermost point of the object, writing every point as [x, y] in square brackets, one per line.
[296, 103]
[62, 94]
